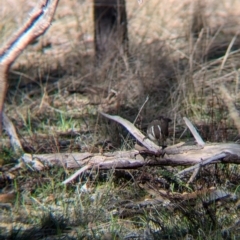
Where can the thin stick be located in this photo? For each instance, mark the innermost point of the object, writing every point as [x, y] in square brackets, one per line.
[205, 162]
[140, 110]
[76, 174]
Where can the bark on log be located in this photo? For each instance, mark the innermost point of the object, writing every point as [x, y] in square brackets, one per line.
[133, 159]
[225, 153]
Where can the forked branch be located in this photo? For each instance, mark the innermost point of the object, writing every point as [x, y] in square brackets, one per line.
[39, 21]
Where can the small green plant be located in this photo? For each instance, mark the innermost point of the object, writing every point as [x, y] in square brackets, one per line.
[65, 123]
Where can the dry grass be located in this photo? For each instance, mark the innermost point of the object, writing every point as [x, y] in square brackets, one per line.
[179, 56]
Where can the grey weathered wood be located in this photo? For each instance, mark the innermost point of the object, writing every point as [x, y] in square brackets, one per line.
[225, 153]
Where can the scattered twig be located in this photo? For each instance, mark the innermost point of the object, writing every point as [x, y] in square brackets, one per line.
[76, 174]
[204, 162]
[194, 174]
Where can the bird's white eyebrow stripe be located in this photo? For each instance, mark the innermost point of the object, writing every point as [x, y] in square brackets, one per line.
[152, 130]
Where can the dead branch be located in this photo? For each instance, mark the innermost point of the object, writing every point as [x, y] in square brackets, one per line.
[194, 132]
[39, 21]
[225, 153]
[203, 163]
[200, 142]
[76, 174]
[133, 159]
[151, 146]
[208, 196]
[176, 155]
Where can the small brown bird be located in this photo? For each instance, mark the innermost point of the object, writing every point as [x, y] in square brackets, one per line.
[158, 130]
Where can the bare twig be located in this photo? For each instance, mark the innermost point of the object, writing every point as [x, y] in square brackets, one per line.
[147, 98]
[76, 174]
[194, 174]
[138, 114]
[204, 162]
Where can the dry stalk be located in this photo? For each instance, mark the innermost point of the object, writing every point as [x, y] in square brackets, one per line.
[234, 114]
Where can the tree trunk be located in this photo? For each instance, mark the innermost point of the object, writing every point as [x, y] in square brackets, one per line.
[110, 28]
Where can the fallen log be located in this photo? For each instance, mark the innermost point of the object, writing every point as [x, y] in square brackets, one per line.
[148, 155]
[225, 152]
